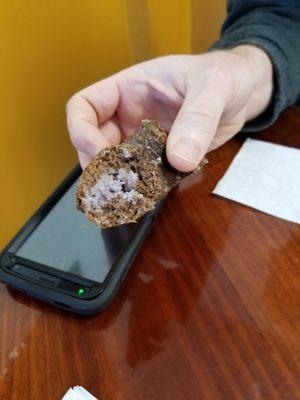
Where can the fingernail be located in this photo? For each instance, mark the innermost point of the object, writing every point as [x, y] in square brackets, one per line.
[187, 149]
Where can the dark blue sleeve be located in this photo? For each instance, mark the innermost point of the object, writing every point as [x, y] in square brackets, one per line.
[273, 26]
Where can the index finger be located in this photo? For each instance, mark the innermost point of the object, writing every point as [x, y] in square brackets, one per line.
[89, 117]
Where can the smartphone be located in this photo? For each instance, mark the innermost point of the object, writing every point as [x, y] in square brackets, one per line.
[62, 258]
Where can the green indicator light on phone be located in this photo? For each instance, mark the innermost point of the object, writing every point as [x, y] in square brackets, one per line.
[80, 291]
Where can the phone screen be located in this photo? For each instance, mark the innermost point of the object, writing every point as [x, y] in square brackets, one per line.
[65, 240]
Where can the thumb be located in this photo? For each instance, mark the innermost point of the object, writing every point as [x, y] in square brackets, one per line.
[193, 129]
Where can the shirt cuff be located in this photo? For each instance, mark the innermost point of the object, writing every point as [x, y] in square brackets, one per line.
[277, 103]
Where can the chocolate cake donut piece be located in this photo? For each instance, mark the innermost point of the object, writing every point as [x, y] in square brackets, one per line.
[124, 182]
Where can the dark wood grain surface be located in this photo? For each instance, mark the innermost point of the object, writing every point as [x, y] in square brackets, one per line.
[210, 309]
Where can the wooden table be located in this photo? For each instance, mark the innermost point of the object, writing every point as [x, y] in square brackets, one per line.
[210, 309]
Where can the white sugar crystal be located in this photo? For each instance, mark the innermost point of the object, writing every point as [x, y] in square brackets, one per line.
[108, 187]
[129, 178]
[132, 196]
[126, 152]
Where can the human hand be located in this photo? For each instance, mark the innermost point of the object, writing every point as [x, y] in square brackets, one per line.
[203, 100]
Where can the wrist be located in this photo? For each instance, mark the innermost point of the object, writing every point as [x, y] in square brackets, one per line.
[262, 78]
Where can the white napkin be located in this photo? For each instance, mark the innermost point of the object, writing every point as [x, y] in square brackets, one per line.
[78, 393]
[265, 176]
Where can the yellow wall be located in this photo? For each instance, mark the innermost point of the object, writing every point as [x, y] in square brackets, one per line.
[160, 27]
[205, 23]
[48, 50]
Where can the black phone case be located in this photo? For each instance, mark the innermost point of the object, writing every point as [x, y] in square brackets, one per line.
[61, 300]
